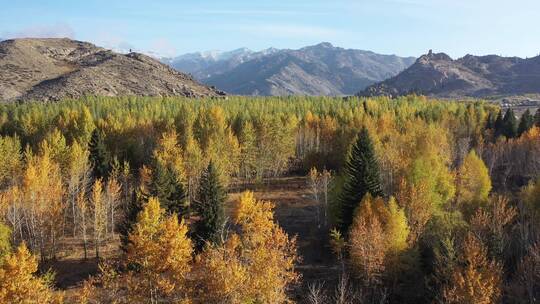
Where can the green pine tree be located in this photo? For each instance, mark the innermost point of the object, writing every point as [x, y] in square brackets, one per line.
[499, 125]
[100, 157]
[526, 122]
[210, 208]
[490, 124]
[361, 177]
[168, 188]
[131, 211]
[510, 124]
[537, 118]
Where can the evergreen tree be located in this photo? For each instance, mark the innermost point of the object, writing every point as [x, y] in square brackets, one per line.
[167, 187]
[510, 124]
[211, 197]
[131, 211]
[490, 124]
[499, 125]
[361, 177]
[526, 122]
[100, 157]
[132, 208]
[537, 118]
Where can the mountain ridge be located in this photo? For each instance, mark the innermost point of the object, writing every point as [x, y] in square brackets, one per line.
[439, 75]
[50, 69]
[320, 69]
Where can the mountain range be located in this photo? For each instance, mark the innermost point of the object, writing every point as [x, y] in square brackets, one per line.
[56, 68]
[437, 74]
[322, 69]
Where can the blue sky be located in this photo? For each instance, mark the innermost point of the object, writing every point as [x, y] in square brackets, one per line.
[403, 27]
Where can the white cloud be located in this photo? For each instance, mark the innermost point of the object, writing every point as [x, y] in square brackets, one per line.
[58, 30]
[163, 48]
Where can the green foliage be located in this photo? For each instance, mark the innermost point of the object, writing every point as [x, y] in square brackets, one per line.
[437, 178]
[209, 207]
[362, 177]
[510, 125]
[499, 125]
[168, 188]
[474, 183]
[10, 160]
[248, 149]
[526, 122]
[131, 210]
[100, 158]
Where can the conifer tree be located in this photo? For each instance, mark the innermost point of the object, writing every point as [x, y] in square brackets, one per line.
[537, 118]
[169, 190]
[362, 177]
[499, 125]
[209, 207]
[490, 124]
[100, 157]
[134, 206]
[510, 124]
[526, 122]
[168, 174]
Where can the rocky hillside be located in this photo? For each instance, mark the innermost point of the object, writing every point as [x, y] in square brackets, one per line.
[315, 70]
[474, 76]
[52, 69]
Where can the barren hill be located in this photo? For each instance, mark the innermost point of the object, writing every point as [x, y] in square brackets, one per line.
[474, 76]
[52, 69]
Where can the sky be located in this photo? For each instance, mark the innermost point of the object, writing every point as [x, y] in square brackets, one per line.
[169, 27]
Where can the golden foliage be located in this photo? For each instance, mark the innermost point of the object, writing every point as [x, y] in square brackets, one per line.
[474, 183]
[256, 265]
[415, 201]
[477, 280]
[530, 195]
[161, 253]
[378, 235]
[42, 195]
[18, 283]
[169, 153]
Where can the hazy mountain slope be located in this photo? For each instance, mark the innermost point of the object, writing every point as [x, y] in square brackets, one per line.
[475, 76]
[51, 69]
[315, 70]
[203, 65]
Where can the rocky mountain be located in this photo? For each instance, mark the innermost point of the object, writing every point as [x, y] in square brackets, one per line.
[203, 65]
[474, 76]
[315, 70]
[53, 68]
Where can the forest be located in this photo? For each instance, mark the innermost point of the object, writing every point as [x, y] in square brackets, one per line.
[411, 200]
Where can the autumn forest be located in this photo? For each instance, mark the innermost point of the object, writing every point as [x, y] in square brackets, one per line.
[269, 200]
